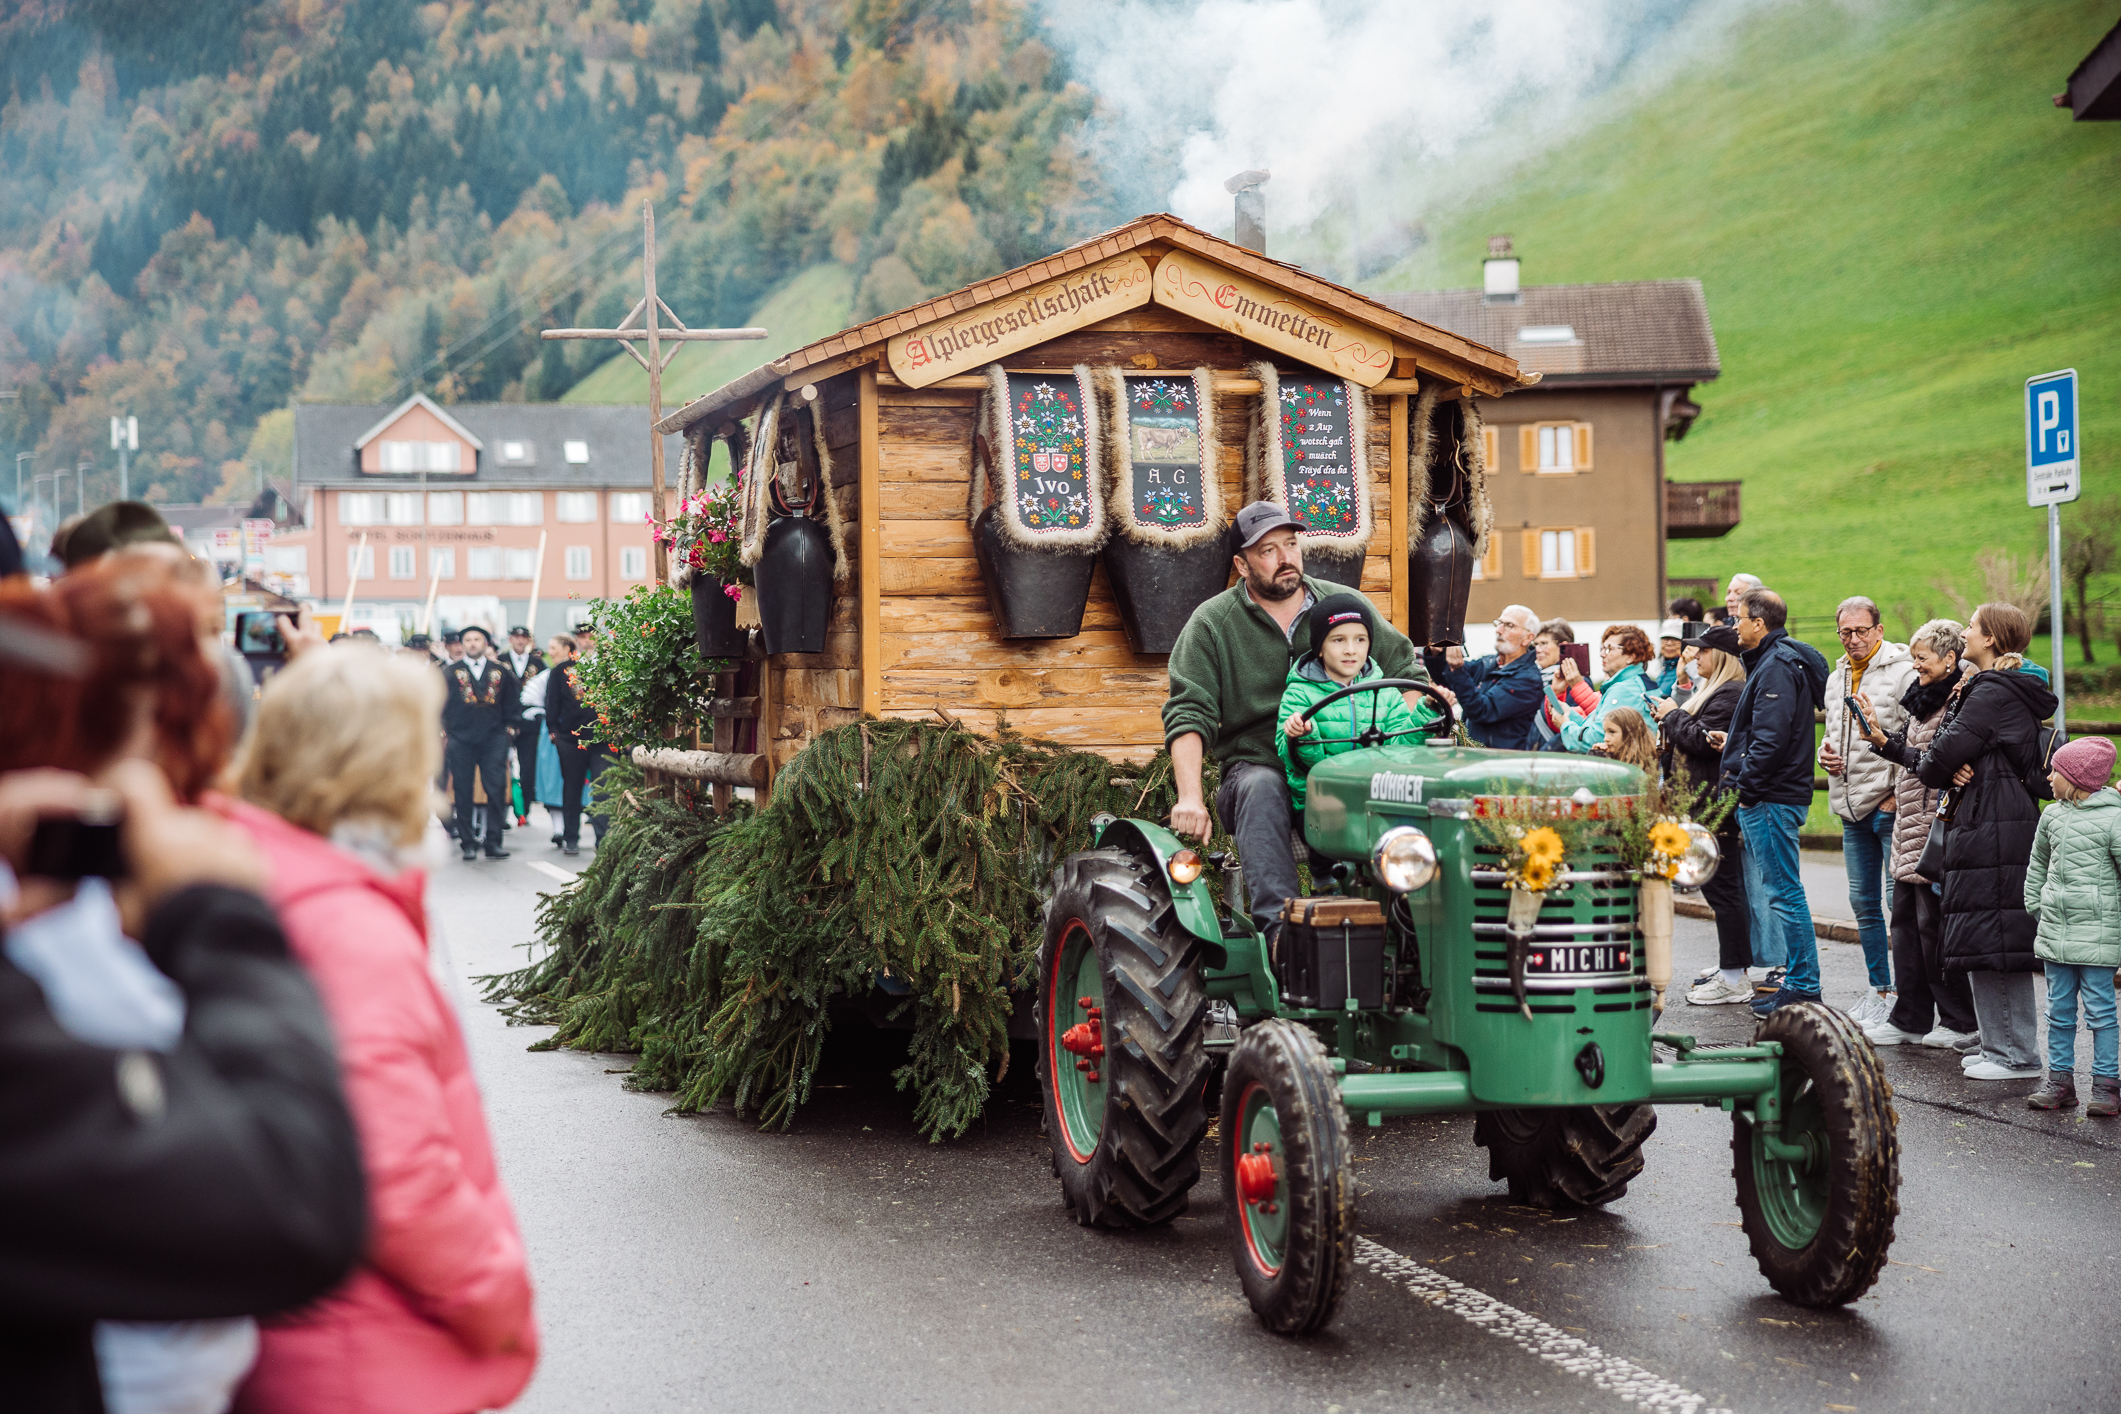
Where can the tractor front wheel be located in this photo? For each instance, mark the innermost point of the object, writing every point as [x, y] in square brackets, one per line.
[1580, 1157]
[1288, 1194]
[1818, 1199]
[1121, 1065]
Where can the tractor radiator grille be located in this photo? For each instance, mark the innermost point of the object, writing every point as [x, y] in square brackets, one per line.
[1586, 934]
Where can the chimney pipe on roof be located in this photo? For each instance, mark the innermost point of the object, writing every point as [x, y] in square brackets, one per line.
[1498, 273]
[1251, 207]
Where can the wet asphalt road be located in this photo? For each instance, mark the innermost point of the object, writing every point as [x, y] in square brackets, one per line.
[694, 1263]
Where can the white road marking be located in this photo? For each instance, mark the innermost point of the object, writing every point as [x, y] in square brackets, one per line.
[1579, 1357]
[553, 869]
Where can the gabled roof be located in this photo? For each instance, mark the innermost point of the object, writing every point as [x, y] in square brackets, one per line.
[1628, 331]
[328, 438]
[1434, 347]
[417, 400]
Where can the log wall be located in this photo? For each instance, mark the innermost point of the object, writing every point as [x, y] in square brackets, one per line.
[921, 641]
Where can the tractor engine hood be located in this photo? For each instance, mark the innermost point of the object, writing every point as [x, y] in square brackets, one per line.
[1355, 797]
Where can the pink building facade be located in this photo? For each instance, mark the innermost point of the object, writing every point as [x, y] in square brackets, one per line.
[459, 499]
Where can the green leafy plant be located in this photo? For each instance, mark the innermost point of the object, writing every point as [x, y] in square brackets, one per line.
[646, 671]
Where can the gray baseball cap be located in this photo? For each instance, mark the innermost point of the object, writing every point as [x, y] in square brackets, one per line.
[1260, 517]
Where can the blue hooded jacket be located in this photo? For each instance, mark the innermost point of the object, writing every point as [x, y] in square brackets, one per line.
[1767, 756]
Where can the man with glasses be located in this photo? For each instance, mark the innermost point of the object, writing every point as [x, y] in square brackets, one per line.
[1500, 694]
[1860, 784]
[1767, 759]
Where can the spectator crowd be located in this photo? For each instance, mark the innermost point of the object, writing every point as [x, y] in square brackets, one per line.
[248, 1166]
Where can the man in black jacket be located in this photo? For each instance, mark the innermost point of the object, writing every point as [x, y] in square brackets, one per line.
[526, 662]
[220, 1178]
[479, 715]
[568, 717]
[1767, 759]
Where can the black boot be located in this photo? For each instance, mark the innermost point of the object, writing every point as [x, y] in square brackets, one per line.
[2057, 1092]
[2106, 1096]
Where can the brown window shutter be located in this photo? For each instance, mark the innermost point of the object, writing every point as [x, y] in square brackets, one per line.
[1583, 446]
[1491, 563]
[1530, 540]
[1586, 553]
[1491, 447]
[1528, 448]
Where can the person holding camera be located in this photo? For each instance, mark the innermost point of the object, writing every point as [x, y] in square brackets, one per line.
[180, 1153]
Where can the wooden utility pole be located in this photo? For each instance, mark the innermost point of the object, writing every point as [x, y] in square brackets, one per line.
[634, 327]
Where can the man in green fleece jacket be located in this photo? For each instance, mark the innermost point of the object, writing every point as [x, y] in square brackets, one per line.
[1227, 673]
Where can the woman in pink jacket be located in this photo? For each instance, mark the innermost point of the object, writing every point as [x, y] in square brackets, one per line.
[438, 1318]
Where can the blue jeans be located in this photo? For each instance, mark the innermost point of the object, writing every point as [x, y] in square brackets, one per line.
[1771, 836]
[2065, 983]
[1865, 846]
[1768, 949]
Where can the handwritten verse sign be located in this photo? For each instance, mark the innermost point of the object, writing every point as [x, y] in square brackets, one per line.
[1318, 464]
[1273, 318]
[964, 342]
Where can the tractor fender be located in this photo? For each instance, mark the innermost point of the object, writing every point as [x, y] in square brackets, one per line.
[1192, 903]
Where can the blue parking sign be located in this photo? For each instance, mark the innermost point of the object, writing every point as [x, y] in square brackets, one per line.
[2052, 444]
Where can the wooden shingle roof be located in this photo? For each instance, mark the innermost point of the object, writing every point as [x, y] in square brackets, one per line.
[1432, 348]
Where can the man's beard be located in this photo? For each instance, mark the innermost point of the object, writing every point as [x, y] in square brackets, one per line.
[1270, 591]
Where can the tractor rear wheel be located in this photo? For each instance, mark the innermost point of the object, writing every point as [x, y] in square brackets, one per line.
[1121, 1067]
[1818, 1206]
[1563, 1158]
[1288, 1194]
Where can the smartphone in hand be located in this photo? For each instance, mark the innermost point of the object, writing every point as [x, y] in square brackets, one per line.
[1855, 710]
[1717, 739]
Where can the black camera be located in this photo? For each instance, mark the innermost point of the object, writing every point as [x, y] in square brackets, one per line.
[80, 846]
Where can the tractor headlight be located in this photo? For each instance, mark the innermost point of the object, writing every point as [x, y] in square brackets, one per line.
[1404, 859]
[1185, 867]
[1698, 865]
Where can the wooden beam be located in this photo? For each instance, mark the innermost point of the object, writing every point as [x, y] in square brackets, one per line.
[723, 739]
[681, 334]
[1396, 544]
[655, 387]
[1389, 387]
[869, 568]
[715, 767]
[769, 718]
[740, 709]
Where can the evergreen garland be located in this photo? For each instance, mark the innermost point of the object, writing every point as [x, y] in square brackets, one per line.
[907, 850]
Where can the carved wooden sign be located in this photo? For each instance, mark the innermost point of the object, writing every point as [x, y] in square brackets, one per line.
[967, 341]
[1273, 318]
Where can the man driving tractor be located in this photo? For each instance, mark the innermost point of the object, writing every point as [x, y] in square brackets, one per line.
[1228, 671]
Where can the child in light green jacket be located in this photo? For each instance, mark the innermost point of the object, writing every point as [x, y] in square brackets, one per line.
[2073, 886]
[1341, 627]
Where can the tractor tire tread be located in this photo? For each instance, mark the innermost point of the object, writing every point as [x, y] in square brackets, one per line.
[1580, 1157]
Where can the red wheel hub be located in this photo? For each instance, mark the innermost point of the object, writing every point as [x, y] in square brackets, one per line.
[1255, 1175]
[1086, 1039]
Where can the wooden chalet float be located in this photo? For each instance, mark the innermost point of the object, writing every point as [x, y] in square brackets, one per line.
[889, 417]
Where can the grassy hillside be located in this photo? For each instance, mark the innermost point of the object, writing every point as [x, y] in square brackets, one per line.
[1895, 229]
[818, 302]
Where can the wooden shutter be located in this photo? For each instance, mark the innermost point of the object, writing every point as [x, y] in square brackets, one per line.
[1491, 563]
[1530, 540]
[1586, 553]
[1583, 446]
[1491, 447]
[1528, 452]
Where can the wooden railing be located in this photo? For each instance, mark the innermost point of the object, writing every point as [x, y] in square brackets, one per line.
[1700, 510]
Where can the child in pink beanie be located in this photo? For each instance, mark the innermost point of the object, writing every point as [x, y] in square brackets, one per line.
[2073, 886]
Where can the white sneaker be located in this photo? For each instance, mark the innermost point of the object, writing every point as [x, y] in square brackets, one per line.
[1705, 975]
[1871, 1006]
[1717, 992]
[1970, 1059]
[1990, 1070]
[1946, 1039]
[1884, 1033]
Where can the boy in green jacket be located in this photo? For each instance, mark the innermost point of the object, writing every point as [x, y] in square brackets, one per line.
[2073, 886]
[1341, 628]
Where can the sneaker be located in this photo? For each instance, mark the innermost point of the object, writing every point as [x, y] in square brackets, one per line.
[2057, 1092]
[496, 854]
[1705, 976]
[1884, 1033]
[1943, 1038]
[1864, 1009]
[1770, 982]
[1717, 992]
[2106, 1097]
[1994, 1070]
[1971, 1059]
[1783, 997]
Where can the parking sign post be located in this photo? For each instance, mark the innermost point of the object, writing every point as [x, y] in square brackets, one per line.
[2053, 454]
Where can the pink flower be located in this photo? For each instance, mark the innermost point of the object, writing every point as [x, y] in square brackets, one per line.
[734, 591]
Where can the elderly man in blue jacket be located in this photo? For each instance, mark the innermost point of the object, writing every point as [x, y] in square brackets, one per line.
[1499, 694]
[1767, 759]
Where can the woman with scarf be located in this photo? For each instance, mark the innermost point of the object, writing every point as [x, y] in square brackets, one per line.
[1927, 991]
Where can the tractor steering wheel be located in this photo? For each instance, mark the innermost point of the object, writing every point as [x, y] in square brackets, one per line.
[1372, 735]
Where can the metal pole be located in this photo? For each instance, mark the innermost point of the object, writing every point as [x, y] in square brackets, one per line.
[125, 481]
[2054, 593]
[655, 384]
[81, 487]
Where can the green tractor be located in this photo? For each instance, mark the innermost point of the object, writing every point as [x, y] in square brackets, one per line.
[1412, 986]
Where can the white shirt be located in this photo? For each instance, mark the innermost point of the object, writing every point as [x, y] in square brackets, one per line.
[477, 666]
[519, 661]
